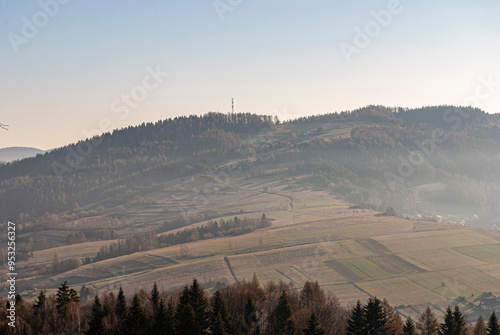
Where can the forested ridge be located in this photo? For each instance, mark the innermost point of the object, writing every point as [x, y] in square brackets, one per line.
[390, 152]
[240, 308]
[97, 168]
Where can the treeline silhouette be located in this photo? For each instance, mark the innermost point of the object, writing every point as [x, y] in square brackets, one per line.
[246, 307]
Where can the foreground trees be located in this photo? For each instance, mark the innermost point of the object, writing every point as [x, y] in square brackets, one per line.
[427, 323]
[246, 308]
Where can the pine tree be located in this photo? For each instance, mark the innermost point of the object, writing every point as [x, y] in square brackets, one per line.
[356, 321]
[199, 304]
[184, 315]
[449, 326]
[135, 322]
[313, 327]
[219, 311]
[374, 317]
[493, 325]
[283, 319]
[409, 327]
[427, 323]
[96, 316]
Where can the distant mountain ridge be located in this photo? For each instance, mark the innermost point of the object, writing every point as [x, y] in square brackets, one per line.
[11, 154]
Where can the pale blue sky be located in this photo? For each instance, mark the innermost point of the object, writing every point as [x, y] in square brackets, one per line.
[272, 57]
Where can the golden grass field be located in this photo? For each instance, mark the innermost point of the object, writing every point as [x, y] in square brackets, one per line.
[353, 253]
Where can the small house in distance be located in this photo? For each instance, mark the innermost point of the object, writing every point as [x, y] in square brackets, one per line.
[490, 304]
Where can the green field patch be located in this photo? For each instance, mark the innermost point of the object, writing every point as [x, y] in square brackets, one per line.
[343, 270]
[487, 253]
[367, 269]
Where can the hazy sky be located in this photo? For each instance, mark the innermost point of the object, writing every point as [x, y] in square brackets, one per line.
[70, 67]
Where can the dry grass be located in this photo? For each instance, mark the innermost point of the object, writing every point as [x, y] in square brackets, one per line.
[352, 253]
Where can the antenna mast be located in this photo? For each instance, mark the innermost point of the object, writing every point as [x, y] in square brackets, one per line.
[232, 105]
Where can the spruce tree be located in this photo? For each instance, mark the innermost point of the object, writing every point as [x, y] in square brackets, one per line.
[163, 320]
[248, 321]
[135, 322]
[217, 326]
[95, 321]
[409, 327]
[374, 317]
[460, 324]
[449, 326]
[62, 297]
[73, 295]
[40, 302]
[219, 311]
[154, 297]
[184, 315]
[356, 321]
[283, 319]
[313, 327]
[120, 310]
[199, 305]
[493, 325]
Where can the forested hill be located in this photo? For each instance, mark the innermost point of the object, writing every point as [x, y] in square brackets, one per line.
[429, 160]
[98, 168]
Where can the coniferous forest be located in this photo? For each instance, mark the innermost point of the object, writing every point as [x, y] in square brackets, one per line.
[241, 308]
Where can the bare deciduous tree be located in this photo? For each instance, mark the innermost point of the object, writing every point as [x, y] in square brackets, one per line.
[4, 126]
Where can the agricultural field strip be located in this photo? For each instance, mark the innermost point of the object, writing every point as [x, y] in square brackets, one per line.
[487, 255]
[288, 246]
[285, 245]
[368, 268]
[451, 285]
